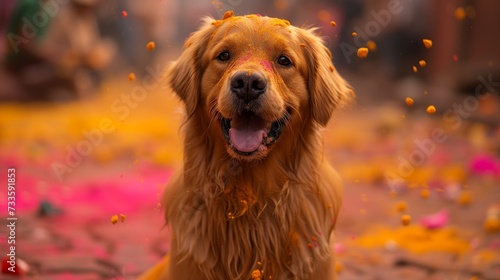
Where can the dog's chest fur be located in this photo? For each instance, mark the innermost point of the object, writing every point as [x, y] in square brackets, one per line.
[236, 232]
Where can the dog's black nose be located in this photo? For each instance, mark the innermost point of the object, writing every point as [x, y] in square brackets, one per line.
[248, 85]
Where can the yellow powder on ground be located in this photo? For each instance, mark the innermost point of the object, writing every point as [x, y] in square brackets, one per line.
[415, 239]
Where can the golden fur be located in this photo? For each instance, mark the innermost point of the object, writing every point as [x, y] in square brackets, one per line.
[271, 212]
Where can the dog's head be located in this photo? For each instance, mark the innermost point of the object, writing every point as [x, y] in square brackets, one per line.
[258, 77]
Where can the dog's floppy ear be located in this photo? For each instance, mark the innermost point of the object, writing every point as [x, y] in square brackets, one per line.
[185, 73]
[327, 89]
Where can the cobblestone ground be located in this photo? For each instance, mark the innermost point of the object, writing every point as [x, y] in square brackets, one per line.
[127, 169]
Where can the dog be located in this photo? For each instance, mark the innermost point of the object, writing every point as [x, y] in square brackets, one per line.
[256, 198]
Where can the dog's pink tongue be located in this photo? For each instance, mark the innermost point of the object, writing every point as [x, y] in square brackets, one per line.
[246, 139]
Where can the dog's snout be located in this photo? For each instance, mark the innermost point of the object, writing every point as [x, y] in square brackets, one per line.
[248, 85]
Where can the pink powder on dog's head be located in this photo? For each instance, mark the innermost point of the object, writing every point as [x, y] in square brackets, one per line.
[267, 66]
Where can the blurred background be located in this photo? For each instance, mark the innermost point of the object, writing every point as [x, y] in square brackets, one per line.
[91, 128]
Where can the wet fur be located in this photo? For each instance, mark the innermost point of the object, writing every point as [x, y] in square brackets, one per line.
[275, 213]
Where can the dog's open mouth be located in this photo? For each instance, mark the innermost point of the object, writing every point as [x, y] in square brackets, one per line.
[248, 131]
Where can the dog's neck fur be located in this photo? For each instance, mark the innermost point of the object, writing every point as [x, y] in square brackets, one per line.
[273, 220]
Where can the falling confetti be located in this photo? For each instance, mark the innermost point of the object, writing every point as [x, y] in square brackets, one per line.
[122, 218]
[431, 110]
[131, 77]
[427, 43]
[339, 267]
[333, 23]
[436, 220]
[150, 46]
[409, 101]
[415, 70]
[354, 34]
[362, 52]
[114, 219]
[256, 274]
[371, 45]
[425, 193]
[455, 58]
[460, 13]
[422, 63]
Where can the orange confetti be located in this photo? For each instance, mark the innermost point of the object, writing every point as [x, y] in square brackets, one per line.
[331, 68]
[422, 63]
[427, 43]
[431, 110]
[122, 217]
[302, 45]
[465, 198]
[114, 219]
[371, 45]
[460, 13]
[150, 46]
[131, 77]
[362, 52]
[409, 101]
[256, 274]
[333, 23]
[415, 70]
[124, 14]
[405, 220]
[354, 34]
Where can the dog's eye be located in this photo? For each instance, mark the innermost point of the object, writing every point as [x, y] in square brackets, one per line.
[224, 56]
[285, 61]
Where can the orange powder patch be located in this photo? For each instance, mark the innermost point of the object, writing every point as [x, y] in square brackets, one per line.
[416, 239]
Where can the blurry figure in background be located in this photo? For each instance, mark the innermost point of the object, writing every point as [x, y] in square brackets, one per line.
[64, 57]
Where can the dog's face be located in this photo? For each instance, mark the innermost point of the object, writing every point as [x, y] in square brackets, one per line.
[257, 77]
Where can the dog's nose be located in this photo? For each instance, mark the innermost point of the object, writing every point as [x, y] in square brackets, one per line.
[248, 85]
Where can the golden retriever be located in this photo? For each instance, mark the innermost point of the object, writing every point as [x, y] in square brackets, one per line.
[256, 199]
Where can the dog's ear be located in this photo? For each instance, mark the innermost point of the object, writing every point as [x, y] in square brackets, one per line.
[327, 89]
[186, 72]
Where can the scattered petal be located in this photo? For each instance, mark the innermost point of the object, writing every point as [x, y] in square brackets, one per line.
[131, 77]
[437, 220]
